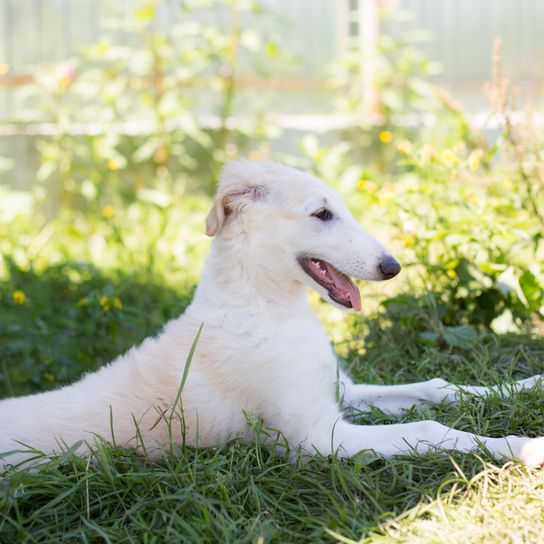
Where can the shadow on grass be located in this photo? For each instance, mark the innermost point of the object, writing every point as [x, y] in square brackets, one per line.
[74, 319]
[406, 342]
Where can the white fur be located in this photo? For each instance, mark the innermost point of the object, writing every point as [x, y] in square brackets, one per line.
[262, 353]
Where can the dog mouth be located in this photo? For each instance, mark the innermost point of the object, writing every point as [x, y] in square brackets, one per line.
[339, 286]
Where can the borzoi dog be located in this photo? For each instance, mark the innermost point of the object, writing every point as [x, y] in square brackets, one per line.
[261, 353]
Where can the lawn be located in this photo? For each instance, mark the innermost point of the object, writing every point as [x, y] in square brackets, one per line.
[77, 292]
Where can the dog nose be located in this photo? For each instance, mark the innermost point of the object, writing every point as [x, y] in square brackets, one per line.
[389, 267]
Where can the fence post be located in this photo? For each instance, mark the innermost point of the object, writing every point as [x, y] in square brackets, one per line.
[368, 39]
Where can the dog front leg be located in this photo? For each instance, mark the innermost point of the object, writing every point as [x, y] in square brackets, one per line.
[422, 436]
[393, 399]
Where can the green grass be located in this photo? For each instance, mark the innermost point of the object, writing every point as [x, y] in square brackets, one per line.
[243, 492]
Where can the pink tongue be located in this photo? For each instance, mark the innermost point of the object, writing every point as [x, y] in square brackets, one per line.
[345, 288]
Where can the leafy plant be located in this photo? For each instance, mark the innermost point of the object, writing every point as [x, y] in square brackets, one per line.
[466, 217]
[128, 112]
[405, 98]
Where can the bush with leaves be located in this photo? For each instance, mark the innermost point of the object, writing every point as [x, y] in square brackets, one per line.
[405, 98]
[133, 110]
[466, 216]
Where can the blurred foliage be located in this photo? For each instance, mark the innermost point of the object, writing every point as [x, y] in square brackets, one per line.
[151, 106]
[406, 100]
[465, 214]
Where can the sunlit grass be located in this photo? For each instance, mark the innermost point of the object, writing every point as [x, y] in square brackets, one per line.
[499, 504]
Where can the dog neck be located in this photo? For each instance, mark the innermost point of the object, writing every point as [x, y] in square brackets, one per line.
[236, 277]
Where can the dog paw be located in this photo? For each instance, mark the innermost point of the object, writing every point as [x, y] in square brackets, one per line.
[531, 452]
[529, 382]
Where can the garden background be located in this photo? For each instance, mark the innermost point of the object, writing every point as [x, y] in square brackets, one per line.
[115, 119]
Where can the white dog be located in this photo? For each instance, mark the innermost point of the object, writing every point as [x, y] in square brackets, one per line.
[261, 352]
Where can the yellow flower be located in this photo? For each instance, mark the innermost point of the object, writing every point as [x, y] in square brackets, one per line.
[362, 183]
[474, 159]
[451, 274]
[112, 165]
[19, 297]
[405, 147]
[117, 304]
[409, 240]
[64, 81]
[385, 137]
[108, 211]
[105, 303]
[449, 158]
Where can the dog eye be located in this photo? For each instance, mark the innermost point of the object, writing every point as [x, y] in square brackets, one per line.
[323, 215]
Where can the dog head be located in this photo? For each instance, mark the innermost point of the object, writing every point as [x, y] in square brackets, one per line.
[292, 227]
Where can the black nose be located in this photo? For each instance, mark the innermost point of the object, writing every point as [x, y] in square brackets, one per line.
[389, 267]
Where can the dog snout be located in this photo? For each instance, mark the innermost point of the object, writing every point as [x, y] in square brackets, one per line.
[389, 267]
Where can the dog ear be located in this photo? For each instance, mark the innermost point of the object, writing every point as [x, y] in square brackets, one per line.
[231, 202]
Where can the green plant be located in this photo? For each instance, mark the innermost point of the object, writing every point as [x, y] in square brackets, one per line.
[404, 98]
[132, 112]
[521, 144]
[464, 217]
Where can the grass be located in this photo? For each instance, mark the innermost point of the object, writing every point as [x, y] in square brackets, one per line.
[69, 324]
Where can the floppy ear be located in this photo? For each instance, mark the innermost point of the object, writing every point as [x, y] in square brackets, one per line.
[231, 202]
[215, 217]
